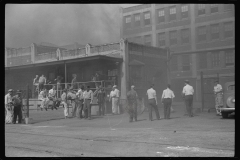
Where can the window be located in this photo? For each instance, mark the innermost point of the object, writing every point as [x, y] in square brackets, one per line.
[147, 40]
[202, 60]
[215, 59]
[228, 29]
[229, 58]
[137, 20]
[161, 39]
[185, 36]
[186, 63]
[214, 8]
[214, 31]
[201, 9]
[161, 16]
[128, 21]
[173, 37]
[202, 34]
[147, 18]
[184, 10]
[173, 15]
[174, 63]
[228, 7]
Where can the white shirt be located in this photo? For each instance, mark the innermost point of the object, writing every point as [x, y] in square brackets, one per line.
[88, 94]
[188, 90]
[41, 95]
[115, 93]
[151, 93]
[167, 93]
[217, 88]
[79, 94]
[52, 93]
[8, 98]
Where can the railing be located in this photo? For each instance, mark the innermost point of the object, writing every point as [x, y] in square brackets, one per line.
[15, 52]
[46, 56]
[104, 48]
[106, 84]
[74, 53]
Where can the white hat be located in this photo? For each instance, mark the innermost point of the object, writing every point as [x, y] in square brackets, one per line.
[132, 86]
[115, 86]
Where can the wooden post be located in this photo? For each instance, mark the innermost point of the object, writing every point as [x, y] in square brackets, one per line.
[202, 90]
[27, 101]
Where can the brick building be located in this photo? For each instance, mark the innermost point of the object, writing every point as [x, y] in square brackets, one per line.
[201, 38]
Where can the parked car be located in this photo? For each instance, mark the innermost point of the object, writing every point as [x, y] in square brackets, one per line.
[229, 99]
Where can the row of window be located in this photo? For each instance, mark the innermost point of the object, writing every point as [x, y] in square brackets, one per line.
[214, 59]
[172, 14]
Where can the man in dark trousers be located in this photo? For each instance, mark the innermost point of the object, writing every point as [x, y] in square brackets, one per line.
[88, 100]
[167, 97]
[132, 103]
[188, 92]
[152, 101]
[101, 96]
[17, 111]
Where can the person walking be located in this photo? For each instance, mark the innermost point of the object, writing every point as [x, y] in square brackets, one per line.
[80, 102]
[114, 96]
[188, 92]
[132, 104]
[167, 97]
[87, 100]
[9, 106]
[101, 96]
[218, 92]
[152, 101]
[64, 102]
[18, 106]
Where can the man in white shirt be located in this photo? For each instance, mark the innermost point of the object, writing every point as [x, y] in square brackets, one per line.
[87, 100]
[114, 96]
[152, 101]
[188, 92]
[52, 96]
[64, 102]
[35, 84]
[42, 82]
[79, 95]
[71, 97]
[167, 97]
[218, 92]
[42, 96]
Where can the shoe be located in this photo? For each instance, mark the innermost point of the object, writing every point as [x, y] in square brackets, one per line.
[46, 109]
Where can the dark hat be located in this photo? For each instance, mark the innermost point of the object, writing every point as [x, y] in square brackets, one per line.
[64, 90]
[216, 81]
[10, 90]
[19, 91]
[186, 81]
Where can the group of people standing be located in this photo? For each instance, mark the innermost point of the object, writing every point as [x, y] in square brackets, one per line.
[166, 99]
[13, 107]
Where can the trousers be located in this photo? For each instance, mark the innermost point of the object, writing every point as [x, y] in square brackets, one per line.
[167, 107]
[132, 110]
[152, 104]
[87, 108]
[80, 109]
[101, 108]
[17, 112]
[189, 102]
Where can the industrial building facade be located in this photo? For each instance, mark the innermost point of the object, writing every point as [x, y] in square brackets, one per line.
[201, 38]
[124, 62]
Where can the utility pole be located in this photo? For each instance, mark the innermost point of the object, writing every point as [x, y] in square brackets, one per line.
[168, 63]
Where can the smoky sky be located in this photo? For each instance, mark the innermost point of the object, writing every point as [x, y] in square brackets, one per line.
[61, 24]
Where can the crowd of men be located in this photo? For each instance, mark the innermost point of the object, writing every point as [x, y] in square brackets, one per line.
[82, 100]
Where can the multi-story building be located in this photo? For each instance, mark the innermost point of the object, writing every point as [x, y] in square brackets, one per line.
[201, 38]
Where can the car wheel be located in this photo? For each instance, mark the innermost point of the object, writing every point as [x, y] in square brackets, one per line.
[224, 115]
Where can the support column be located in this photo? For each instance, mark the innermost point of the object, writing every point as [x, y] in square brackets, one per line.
[65, 65]
[6, 55]
[33, 53]
[124, 69]
[87, 49]
[153, 18]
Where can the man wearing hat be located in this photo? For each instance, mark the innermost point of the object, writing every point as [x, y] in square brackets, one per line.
[8, 106]
[218, 97]
[87, 101]
[132, 103]
[17, 111]
[101, 95]
[114, 96]
[188, 92]
[71, 96]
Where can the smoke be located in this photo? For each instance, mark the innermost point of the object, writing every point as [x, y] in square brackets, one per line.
[61, 24]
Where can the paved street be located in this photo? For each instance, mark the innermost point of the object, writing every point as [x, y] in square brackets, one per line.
[204, 135]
